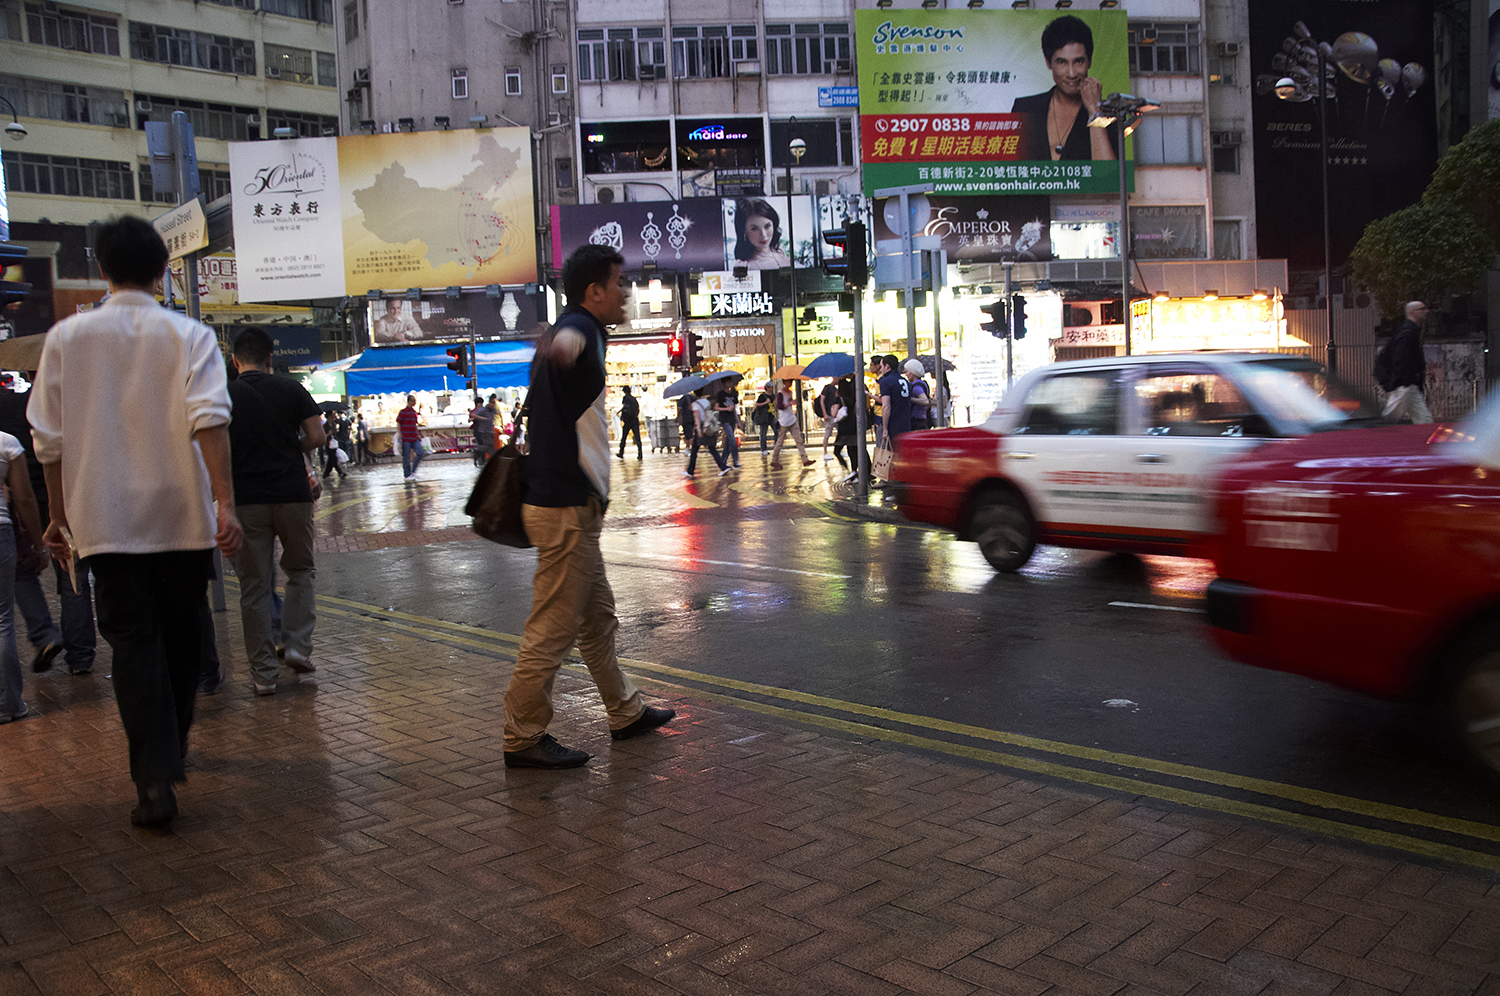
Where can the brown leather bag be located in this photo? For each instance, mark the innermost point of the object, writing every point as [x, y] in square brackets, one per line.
[496, 500]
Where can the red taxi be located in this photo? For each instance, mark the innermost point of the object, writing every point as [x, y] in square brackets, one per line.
[1118, 453]
[1371, 560]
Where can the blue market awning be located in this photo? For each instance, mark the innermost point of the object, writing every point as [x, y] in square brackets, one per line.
[398, 369]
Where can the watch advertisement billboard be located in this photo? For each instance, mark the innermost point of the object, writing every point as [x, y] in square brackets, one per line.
[396, 321]
[976, 229]
[989, 101]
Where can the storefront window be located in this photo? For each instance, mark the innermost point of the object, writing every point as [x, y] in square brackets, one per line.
[627, 147]
[727, 143]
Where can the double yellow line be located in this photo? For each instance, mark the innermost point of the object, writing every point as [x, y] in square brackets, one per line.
[751, 696]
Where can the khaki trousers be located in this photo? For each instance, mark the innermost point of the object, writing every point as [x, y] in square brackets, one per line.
[571, 600]
[782, 431]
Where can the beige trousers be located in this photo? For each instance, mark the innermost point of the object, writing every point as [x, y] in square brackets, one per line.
[782, 431]
[571, 600]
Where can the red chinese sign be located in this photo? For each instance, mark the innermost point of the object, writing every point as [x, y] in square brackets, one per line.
[917, 138]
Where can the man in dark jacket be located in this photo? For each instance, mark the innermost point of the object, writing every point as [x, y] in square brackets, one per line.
[1408, 369]
[566, 490]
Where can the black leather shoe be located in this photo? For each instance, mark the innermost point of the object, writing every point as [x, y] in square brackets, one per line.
[546, 753]
[649, 720]
[42, 662]
[157, 805]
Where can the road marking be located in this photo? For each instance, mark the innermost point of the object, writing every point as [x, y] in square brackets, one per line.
[761, 493]
[328, 510]
[732, 563]
[495, 641]
[693, 501]
[1160, 608]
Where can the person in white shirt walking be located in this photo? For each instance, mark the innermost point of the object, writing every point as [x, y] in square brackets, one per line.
[130, 423]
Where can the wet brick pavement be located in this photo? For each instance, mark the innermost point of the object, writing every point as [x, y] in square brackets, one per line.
[358, 833]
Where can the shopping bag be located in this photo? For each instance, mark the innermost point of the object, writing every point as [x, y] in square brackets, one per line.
[495, 503]
[881, 462]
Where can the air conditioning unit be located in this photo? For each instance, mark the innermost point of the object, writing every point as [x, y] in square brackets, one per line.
[273, 72]
[1228, 50]
[554, 118]
[609, 193]
[646, 74]
[361, 77]
[798, 186]
[747, 67]
[820, 188]
[1145, 34]
[143, 104]
[1226, 138]
[121, 120]
[253, 120]
[843, 67]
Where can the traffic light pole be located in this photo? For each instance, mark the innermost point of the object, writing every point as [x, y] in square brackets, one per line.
[181, 135]
[861, 456]
[1010, 331]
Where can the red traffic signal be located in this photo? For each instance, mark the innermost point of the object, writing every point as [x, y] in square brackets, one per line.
[674, 352]
[460, 362]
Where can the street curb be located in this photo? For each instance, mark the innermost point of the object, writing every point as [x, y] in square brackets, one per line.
[872, 513]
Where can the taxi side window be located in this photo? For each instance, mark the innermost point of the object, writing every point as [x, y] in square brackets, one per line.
[1196, 404]
[1075, 404]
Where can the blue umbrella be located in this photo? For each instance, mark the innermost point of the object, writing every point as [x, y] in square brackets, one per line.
[724, 375]
[829, 365]
[686, 385]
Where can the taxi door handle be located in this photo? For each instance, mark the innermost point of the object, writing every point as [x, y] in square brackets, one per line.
[1013, 455]
[1151, 458]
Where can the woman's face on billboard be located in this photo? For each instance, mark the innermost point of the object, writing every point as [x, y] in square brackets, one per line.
[759, 230]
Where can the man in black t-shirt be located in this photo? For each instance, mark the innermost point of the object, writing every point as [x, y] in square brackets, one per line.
[274, 501]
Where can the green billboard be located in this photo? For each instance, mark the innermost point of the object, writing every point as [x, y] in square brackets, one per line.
[990, 101]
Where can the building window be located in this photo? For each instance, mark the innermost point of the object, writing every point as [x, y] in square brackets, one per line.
[68, 176]
[212, 183]
[512, 81]
[327, 74]
[351, 22]
[710, 52]
[1221, 70]
[1169, 140]
[222, 121]
[305, 125]
[10, 21]
[1226, 158]
[626, 147]
[807, 49]
[308, 10]
[1227, 243]
[241, 4]
[651, 53]
[296, 65]
[564, 173]
[66, 101]
[1164, 47]
[460, 84]
[830, 141]
[559, 79]
[72, 30]
[196, 49]
[611, 54]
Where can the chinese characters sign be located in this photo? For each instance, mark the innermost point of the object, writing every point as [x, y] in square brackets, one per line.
[742, 303]
[184, 229]
[287, 239]
[963, 99]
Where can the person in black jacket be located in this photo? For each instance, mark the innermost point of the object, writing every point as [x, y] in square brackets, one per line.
[1057, 121]
[630, 421]
[566, 478]
[1408, 369]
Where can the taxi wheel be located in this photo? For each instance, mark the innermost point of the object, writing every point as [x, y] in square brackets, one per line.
[1470, 701]
[1003, 529]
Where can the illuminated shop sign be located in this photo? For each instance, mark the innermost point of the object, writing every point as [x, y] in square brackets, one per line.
[715, 133]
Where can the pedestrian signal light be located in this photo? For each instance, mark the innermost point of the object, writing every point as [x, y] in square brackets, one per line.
[1018, 312]
[835, 256]
[997, 326]
[692, 345]
[857, 252]
[674, 353]
[459, 364]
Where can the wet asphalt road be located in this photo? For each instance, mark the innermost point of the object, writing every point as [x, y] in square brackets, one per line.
[751, 578]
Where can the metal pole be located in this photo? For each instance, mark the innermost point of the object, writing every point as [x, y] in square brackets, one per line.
[1124, 232]
[1333, 354]
[939, 260]
[181, 134]
[1010, 338]
[791, 237]
[861, 457]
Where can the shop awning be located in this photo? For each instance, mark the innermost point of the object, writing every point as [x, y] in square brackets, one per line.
[397, 369]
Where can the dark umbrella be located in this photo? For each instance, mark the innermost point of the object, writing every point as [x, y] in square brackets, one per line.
[729, 375]
[332, 406]
[829, 365]
[686, 385]
[929, 362]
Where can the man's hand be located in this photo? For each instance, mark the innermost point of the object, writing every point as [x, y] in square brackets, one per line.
[57, 542]
[230, 535]
[1091, 91]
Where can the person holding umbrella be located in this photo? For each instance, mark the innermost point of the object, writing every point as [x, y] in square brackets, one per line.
[786, 424]
[706, 426]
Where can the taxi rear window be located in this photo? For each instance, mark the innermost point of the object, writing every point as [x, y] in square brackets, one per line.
[1086, 403]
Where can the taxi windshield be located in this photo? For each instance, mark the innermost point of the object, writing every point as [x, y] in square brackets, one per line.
[1301, 393]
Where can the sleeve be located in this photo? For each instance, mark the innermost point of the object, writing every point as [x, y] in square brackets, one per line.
[10, 448]
[306, 406]
[44, 411]
[207, 386]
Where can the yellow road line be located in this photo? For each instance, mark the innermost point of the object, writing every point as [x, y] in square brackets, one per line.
[761, 493]
[691, 500]
[488, 639]
[328, 510]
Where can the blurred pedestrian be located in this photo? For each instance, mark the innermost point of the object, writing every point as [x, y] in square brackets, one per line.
[895, 400]
[630, 421]
[1408, 369]
[24, 522]
[706, 429]
[275, 422]
[363, 457]
[727, 410]
[922, 405]
[764, 414]
[823, 408]
[848, 430]
[130, 424]
[331, 433]
[567, 489]
[482, 425]
[408, 426]
[786, 425]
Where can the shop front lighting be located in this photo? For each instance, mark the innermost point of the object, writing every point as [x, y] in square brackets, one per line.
[1210, 295]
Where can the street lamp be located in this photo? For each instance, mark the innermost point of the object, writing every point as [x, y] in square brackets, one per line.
[1123, 110]
[1288, 89]
[15, 129]
[796, 149]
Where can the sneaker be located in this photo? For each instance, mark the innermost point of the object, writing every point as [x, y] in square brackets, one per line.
[775, 466]
[11, 717]
[81, 670]
[725, 471]
[852, 477]
[264, 689]
[687, 473]
[42, 662]
[807, 463]
[408, 477]
[297, 662]
[209, 684]
[827, 456]
[648, 720]
[547, 753]
[156, 805]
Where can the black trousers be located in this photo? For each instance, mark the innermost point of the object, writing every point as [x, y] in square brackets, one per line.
[625, 432]
[150, 607]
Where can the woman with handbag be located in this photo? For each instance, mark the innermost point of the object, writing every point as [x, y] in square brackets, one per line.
[12, 707]
[706, 430]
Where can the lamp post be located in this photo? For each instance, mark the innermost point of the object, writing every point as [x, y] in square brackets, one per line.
[1287, 89]
[15, 129]
[795, 150]
[1123, 110]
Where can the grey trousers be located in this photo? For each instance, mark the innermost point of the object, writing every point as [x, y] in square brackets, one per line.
[264, 525]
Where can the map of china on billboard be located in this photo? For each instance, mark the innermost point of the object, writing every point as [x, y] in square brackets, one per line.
[989, 101]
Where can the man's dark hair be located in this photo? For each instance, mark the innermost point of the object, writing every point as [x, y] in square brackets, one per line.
[253, 346]
[1064, 31]
[130, 252]
[889, 359]
[626, 390]
[587, 266]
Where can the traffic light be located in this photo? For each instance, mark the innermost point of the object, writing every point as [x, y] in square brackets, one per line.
[1018, 312]
[675, 358]
[692, 348]
[460, 362]
[12, 289]
[997, 326]
[857, 252]
[836, 256]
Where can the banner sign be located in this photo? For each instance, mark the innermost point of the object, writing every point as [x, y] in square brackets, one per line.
[184, 229]
[217, 283]
[966, 99]
[1169, 232]
[742, 304]
[288, 241]
[513, 315]
[1382, 129]
[976, 229]
[838, 96]
[735, 339]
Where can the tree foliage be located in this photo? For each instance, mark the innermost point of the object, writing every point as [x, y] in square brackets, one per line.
[1468, 178]
[1421, 253]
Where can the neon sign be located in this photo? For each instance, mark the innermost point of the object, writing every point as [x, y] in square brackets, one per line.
[714, 133]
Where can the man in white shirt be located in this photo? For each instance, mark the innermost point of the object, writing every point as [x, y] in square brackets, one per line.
[130, 421]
